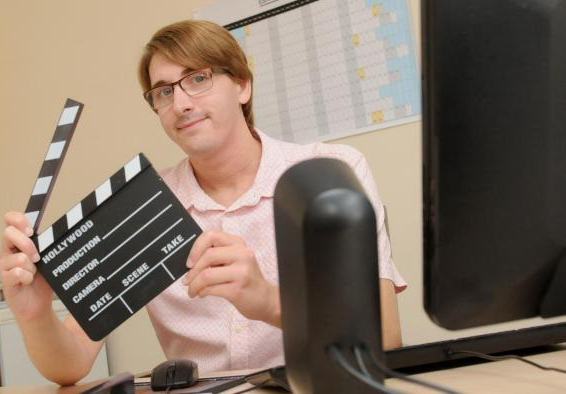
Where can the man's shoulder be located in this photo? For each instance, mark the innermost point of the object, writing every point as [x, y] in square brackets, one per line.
[293, 152]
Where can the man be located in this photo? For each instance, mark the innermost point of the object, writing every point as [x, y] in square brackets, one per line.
[195, 77]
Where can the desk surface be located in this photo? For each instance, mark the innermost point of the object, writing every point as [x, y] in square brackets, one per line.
[509, 376]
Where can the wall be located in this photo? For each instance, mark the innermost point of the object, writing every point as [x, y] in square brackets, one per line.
[88, 50]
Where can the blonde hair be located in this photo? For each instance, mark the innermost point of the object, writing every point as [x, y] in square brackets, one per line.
[195, 45]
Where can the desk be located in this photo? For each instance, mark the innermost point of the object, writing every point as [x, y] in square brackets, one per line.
[509, 376]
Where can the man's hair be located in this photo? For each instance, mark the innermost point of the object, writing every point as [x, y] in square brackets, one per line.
[195, 45]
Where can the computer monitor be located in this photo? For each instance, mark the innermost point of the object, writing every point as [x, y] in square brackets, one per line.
[494, 151]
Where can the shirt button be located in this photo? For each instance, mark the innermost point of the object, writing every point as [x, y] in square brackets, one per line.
[238, 330]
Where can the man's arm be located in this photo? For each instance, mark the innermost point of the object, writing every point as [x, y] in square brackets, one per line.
[390, 326]
[61, 351]
[223, 266]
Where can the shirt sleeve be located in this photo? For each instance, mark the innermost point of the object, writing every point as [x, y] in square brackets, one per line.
[387, 269]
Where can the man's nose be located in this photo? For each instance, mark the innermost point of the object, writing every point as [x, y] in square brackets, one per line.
[182, 102]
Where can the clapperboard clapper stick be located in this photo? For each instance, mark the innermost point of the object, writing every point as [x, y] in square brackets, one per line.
[118, 248]
[52, 163]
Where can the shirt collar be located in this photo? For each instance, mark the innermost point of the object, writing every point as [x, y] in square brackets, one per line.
[271, 166]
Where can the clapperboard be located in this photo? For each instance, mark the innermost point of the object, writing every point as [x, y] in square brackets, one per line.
[119, 247]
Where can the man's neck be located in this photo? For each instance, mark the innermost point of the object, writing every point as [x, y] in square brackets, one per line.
[227, 175]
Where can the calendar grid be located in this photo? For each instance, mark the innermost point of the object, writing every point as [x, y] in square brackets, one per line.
[331, 68]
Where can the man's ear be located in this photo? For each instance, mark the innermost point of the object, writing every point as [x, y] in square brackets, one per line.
[245, 91]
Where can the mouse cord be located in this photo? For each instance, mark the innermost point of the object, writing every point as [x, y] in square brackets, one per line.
[507, 357]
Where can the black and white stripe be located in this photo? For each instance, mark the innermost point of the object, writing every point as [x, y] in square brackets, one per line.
[52, 162]
[92, 201]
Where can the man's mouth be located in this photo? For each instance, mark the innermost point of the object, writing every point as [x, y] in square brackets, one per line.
[189, 123]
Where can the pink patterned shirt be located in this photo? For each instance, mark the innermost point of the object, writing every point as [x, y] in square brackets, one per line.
[210, 330]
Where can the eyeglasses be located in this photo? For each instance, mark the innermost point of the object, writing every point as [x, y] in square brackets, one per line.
[192, 84]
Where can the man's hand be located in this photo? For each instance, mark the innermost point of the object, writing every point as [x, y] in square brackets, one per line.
[223, 266]
[28, 295]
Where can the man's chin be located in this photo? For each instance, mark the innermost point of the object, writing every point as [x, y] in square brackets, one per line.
[196, 148]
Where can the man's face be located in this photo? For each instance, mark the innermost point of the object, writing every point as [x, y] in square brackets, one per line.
[204, 123]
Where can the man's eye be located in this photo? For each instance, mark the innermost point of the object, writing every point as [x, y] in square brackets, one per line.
[166, 91]
[198, 79]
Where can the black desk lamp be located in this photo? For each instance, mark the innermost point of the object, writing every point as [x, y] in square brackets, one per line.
[328, 271]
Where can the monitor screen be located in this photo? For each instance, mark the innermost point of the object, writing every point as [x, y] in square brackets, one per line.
[494, 152]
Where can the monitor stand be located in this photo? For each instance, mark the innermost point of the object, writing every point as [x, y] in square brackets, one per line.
[442, 354]
[553, 302]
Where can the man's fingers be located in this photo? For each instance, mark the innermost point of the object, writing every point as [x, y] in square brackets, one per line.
[211, 257]
[17, 269]
[14, 239]
[25, 277]
[19, 221]
[18, 260]
[210, 277]
[223, 290]
[15, 277]
[211, 239]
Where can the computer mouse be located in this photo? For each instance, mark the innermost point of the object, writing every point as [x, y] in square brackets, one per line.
[174, 374]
